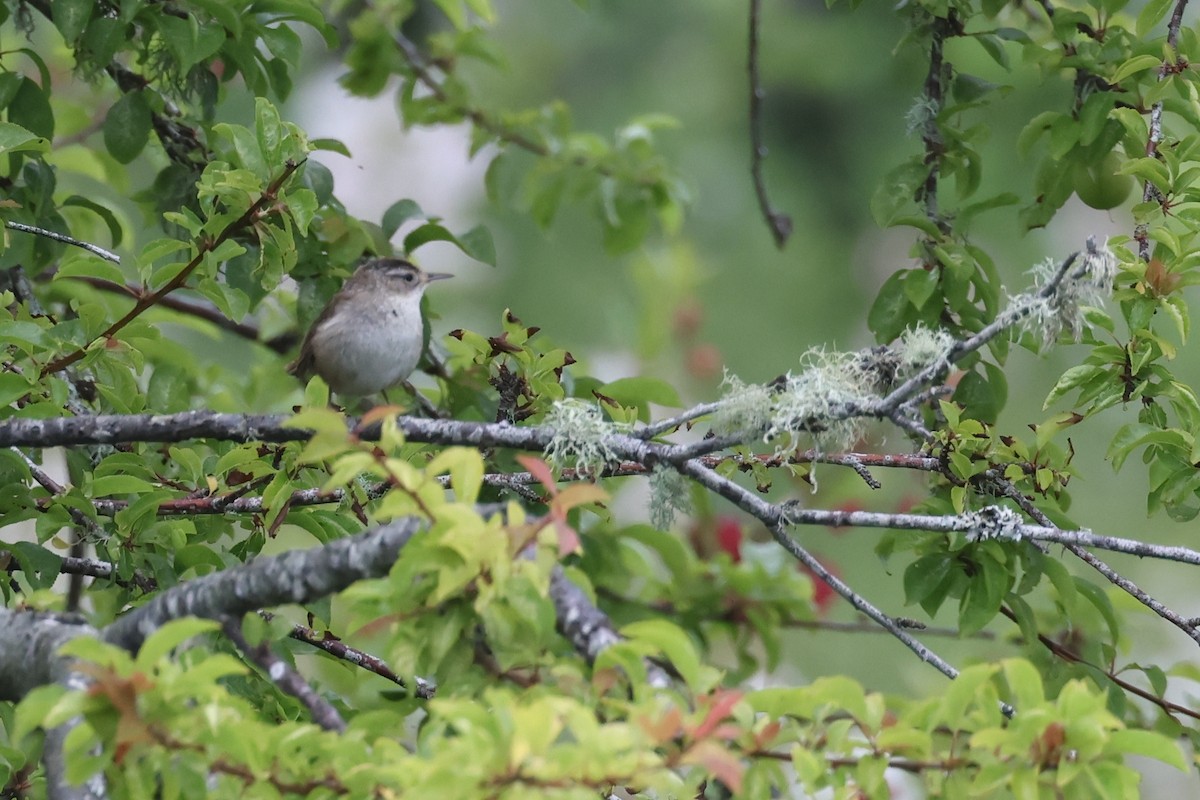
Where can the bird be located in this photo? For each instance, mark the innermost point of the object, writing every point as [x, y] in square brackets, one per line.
[370, 335]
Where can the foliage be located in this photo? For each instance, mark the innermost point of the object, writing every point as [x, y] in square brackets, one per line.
[122, 125]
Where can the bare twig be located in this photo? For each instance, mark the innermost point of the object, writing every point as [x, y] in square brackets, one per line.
[285, 677]
[779, 223]
[62, 237]
[1133, 590]
[1066, 654]
[280, 344]
[422, 689]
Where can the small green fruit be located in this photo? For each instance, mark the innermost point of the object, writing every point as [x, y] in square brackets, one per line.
[1098, 185]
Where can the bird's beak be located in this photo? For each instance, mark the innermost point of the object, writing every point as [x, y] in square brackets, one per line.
[437, 276]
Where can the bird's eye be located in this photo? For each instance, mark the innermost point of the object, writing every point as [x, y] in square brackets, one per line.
[409, 277]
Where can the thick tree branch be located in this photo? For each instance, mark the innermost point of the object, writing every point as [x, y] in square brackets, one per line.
[29, 659]
[587, 628]
[298, 576]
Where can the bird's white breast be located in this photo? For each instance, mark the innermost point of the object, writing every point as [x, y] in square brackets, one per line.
[367, 351]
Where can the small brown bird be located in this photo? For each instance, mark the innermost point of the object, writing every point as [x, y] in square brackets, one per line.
[370, 336]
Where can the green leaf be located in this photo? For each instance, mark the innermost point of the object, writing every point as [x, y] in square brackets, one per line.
[919, 286]
[170, 636]
[1073, 377]
[982, 398]
[33, 710]
[333, 146]
[1136, 64]
[119, 484]
[1025, 683]
[1151, 15]
[15, 139]
[399, 213]
[1136, 434]
[842, 694]
[1150, 744]
[12, 387]
[478, 244]
[86, 265]
[104, 212]
[638, 390]
[71, 17]
[1096, 596]
[925, 575]
[30, 108]
[429, 232]
[127, 126]
[188, 39]
[673, 643]
[213, 668]
[891, 311]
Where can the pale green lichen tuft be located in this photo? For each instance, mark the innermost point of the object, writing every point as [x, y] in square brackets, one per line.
[815, 400]
[668, 496]
[923, 111]
[580, 436]
[812, 402]
[1087, 283]
[921, 347]
[745, 410]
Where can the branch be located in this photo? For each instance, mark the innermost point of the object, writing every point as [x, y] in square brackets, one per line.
[776, 521]
[587, 628]
[931, 136]
[235, 502]
[298, 576]
[29, 659]
[1008, 490]
[62, 237]
[779, 223]
[1149, 191]
[145, 301]
[281, 344]
[285, 677]
[1003, 321]
[111, 429]
[422, 689]
[1068, 655]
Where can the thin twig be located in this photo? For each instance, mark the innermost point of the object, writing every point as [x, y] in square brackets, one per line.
[776, 521]
[779, 223]
[207, 246]
[1150, 192]
[281, 344]
[1133, 590]
[422, 688]
[236, 502]
[480, 119]
[285, 677]
[1070, 656]
[62, 237]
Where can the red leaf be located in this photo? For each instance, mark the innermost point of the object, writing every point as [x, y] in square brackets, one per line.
[722, 703]
[540, 470]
